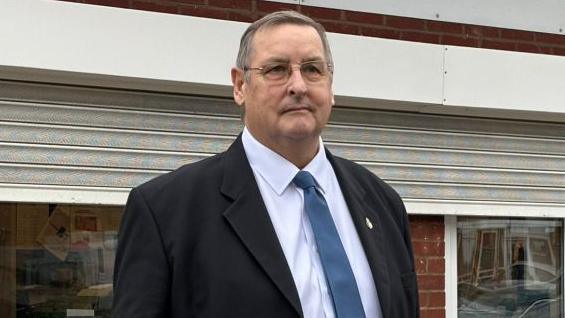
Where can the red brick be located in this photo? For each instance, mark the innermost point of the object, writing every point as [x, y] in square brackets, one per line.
[189, 1]
[363, 17]
[445, 27]
[380, 33]
[405, 23]
[526, 47]
[421, 265]
[420, 37]
[431, 282]
[321, 13]
[341, 27]
[482, 31]
[268, 6]
[436, 265]
[155, 7]
[459, 41]
[436, 299]
[243, 17]
[428, 231]
[550, 38]
[415, 218]
[423, 299]
[558, 51]
[497, 45]
[546, 49]
[432, 313]
[428, 248]
[232, 4]
[109, 3]
[204, 12]
[516, 35]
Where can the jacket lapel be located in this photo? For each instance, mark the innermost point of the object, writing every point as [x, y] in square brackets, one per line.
[373, 241]
[250, 220]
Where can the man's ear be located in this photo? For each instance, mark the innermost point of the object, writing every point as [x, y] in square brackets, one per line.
[238, 81]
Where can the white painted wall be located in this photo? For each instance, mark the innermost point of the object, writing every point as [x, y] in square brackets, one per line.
[83, 44]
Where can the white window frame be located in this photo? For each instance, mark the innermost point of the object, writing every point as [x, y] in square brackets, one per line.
[62, 194]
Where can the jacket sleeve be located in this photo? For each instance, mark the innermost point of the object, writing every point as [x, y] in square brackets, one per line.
[141, 270]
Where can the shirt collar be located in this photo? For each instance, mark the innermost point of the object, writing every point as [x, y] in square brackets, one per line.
[279, 172]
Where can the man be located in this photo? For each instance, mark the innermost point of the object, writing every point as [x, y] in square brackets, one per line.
[275, 226]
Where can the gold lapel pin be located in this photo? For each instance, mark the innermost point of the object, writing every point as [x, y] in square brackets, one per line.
[369, 224]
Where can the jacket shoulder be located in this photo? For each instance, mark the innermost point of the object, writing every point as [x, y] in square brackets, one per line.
[375, 187]
[364, 176]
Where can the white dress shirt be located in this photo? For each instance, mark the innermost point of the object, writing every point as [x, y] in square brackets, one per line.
[285, 205]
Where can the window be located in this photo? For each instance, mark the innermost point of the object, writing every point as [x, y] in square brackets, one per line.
[57, 260]
[509, 267]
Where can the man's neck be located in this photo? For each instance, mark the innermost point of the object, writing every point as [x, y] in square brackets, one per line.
[298, 151]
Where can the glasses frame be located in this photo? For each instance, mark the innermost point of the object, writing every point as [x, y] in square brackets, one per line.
[284, 79]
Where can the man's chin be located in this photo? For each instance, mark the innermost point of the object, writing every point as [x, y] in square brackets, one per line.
[302, 133]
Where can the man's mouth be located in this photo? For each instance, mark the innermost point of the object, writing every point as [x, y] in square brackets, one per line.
[295, 108]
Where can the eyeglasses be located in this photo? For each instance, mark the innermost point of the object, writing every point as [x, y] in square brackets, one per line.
[311, 71]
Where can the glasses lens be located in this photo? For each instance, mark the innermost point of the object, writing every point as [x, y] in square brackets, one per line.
[311, 71]
[314, 71]
[276, 71]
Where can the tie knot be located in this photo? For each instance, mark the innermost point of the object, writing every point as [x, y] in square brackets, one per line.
[304, 180]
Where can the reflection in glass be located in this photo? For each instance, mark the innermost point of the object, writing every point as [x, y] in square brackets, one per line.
[57, 260]
[509, 268]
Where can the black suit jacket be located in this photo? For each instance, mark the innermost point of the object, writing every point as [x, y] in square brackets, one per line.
[198, 242]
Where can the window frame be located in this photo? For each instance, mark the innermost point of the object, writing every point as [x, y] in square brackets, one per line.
[451, 272]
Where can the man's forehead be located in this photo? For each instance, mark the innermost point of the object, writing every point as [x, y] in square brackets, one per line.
[284, 59]
[269, 37]
[266, 32]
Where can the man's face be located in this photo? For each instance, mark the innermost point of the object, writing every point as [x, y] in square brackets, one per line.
[291, 111]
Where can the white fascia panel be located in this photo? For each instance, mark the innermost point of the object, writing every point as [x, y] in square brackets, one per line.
[374, 68]
[504, 80]
[90, 39]
[72, 43]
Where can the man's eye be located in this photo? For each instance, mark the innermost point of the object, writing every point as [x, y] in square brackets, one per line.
[276, 69]
[311, 69]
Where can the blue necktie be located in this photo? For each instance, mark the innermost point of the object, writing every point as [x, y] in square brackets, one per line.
[342, 285]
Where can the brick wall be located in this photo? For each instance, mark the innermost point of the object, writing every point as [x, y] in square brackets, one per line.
[429, 259]
[359, 23]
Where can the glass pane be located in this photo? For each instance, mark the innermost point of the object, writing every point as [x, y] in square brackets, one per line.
[57, 260]
[509, 267]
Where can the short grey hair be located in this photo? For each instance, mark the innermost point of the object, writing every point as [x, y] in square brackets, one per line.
[274, 19]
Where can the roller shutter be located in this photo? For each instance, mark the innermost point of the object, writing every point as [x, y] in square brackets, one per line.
[80, 136]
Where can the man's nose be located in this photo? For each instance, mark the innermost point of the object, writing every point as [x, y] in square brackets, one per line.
[296, 84]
